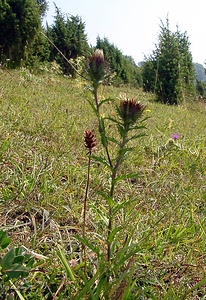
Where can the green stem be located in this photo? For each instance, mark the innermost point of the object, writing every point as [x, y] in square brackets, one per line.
[120, 157]
[114, 174]
[100, 125]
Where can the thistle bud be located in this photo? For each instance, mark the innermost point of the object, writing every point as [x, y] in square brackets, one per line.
[97, 66]
[130, 111]
[90, 140]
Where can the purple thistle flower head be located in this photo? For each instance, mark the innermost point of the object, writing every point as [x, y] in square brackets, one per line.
[97, 66]
[175, 136]
[130, 111]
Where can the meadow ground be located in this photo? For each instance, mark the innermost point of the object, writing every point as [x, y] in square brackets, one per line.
[43, 169]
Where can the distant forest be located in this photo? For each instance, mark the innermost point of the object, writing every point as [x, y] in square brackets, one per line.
[169, 71]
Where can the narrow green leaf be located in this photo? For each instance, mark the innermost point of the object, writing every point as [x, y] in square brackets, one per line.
[101, 160]
[87, 288]
[113, 120]
[65, 263]
[125, 150]
[102, 285]
[195, 287]
[105, 101]
[79, 266]
[136, 127]
[119, 206]
[126, 176]
[101, 215]
[87, 243]
[124, 254]
[111, 139]
[107, 197]
[93, 107]
[113, 233]
[137, 136]
[17, 291]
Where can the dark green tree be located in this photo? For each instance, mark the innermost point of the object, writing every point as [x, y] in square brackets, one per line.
[20, 21]
[149, 74]
[68, 35]
[43, 6]
[39, 52]
[169, 71]
[127, 72]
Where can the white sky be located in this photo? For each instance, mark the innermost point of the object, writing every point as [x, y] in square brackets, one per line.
[133, 25]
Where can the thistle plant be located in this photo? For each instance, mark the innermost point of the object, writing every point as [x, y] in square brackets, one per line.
[90, 144]
[129, 123]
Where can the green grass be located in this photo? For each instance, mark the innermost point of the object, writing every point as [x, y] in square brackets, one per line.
[43, 165]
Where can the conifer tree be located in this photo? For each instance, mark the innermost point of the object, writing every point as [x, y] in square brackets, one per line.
[68, 35]
[126, 71]
[20, 21]
[169, 71]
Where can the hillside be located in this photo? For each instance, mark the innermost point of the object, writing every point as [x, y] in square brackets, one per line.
[200, 71]
[160, 211]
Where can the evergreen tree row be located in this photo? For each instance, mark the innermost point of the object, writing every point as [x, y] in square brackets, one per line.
[168, 71]
[22, 42]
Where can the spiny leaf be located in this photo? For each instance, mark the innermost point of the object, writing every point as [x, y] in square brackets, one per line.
[122, 130]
